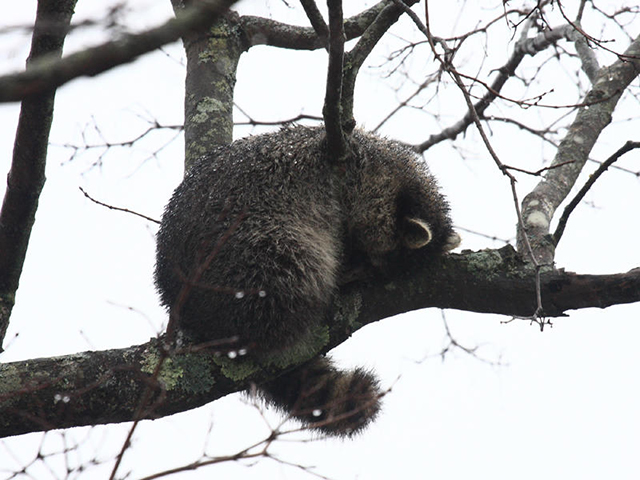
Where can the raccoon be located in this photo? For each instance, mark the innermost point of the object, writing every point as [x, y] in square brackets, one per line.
[259, 235]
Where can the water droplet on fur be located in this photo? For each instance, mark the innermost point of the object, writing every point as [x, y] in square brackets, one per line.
[262, 294]
[232, 354]
[240, 294]
[317, 412]
[61, 398]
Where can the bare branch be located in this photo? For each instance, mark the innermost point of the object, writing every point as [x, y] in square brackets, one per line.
[358, 54]
[537, 173]
[254, 122]
[106, 145]
[119, 209]
[51, 72]
[353, 61]
[578, 28]
[331, 111]
[524, 47]
[264, 31]
[448, 66]
[94, 388]
[27, 175]
[627, 147]
[539, 206]
[316, 20]
[589, 61]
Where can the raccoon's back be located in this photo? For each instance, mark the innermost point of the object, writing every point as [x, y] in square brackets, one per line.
[249, 244]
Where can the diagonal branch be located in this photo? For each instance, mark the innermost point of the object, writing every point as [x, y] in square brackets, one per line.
[526, 46]
[562, 223]
[26, 177]
[316, 20]
[539, 206]
[358, 54]
[52, 72]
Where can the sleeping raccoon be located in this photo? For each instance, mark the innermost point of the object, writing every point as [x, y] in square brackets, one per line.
[256, 239]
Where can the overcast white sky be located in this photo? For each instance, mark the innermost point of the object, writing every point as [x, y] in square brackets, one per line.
[561, 404]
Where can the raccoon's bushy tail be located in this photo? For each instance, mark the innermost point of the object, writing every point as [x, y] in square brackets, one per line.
[334, 402]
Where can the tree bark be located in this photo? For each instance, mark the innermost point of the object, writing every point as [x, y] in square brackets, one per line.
[539, 206]
[93, 388]
[26, 177]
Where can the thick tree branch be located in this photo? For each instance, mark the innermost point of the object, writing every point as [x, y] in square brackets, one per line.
[212, 63]
[105, 387]
[264, 31]
[26, 177]
[316, 20]
[52, 72]
[539, 206]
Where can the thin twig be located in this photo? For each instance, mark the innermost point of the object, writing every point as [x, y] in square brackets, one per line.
[540, 171]
[447, 66]
[524, 46]
[562, 223]
[120, 209]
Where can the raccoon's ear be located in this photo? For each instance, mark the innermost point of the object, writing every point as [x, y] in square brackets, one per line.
[416, 233]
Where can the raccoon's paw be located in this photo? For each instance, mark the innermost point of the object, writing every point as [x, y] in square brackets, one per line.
[453, 241]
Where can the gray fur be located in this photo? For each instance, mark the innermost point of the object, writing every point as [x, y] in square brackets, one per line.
[258, 236]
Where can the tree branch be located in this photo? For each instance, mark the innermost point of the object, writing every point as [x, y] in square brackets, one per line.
[93, 388]
[331, 111]
[264, 31]
[539, 206]
[52, 72]
[524, 47]
[316, 20]
[358, 54]
[627, 147]
[212, 63]
[589, 61]
[27, 175]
